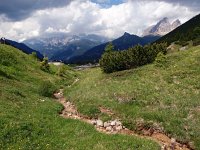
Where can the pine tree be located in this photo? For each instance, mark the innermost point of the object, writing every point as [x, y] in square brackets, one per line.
[109, 47]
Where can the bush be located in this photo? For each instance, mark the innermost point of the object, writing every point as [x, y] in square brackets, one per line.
[44, 65]
[109, 47]
[112, 61]
[61, 71]
[161, 60]
[47, 89]
[34, 55]
[196, 41]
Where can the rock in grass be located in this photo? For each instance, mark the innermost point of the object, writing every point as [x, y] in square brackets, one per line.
[99, 123]
[109, 128]
[68, 103]
[113, 123]
[106, 124]
[173, 140]
[93, 122]
[69, 114]
[118, 128]
[118, 123]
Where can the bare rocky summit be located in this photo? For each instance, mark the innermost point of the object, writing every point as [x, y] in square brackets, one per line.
[162, 27]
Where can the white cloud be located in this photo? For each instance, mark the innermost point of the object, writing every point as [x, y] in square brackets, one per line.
[88, 17]
[19, 30]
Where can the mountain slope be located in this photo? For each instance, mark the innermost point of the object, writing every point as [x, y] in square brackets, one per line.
[62, 46]
[150, 38]
[162, 27]
[21, 46]
[185, 32]
[122, 43]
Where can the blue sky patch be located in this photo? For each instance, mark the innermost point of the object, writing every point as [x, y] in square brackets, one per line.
[108, 3]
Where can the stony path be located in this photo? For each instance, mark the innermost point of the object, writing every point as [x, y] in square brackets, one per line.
[115, 126]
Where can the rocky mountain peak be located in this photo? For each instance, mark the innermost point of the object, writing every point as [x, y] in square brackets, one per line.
[176, 23]
[162, 27]
[164, 20]
[126, 34]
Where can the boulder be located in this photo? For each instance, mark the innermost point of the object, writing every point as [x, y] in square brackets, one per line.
[173, 140]
[69, 114]
[93, 122]
[183, 48]
[106, 124]
[118, 123]
[109, 128]
[118, 128]
[113, 123]
[99, 123]
[68, 103]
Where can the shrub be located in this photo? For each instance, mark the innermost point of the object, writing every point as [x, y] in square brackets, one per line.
[109, 48]
[61, 71]
[196, 41]
[47, 89]
[161, 60]
[112, 61]
[34, 55]
[44, 65]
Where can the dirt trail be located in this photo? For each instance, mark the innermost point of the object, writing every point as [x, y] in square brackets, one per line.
[164, 141]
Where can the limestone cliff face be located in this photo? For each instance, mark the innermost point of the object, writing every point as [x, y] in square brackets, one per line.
[162, 27]
[176, 23]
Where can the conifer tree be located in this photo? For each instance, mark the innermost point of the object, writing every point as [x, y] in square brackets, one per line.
[109, 47]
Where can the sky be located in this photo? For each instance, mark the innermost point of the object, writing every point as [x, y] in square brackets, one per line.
[24, 19]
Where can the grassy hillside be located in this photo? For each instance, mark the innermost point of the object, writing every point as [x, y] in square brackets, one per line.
[31, 121]
[164, 94]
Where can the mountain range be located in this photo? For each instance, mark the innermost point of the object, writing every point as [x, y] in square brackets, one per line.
[162, 27]
[84, 48]
[124, 42]
[62, 46]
